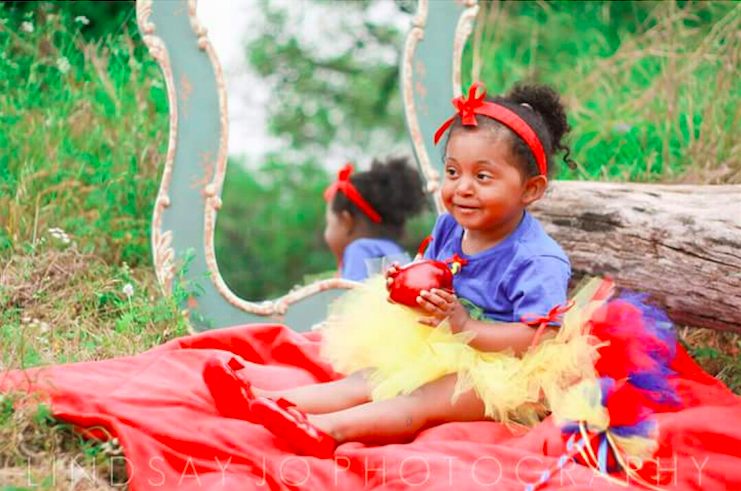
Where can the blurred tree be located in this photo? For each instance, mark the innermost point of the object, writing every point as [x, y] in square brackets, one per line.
[335, 81]
[270, 242]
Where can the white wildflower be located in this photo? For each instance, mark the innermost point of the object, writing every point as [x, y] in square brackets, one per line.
[111, 447]
[63, 64]
[27, 26]
[128, 290]
[60, 235]
[81, 19]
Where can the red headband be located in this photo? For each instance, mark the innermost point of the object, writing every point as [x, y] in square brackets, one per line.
[344, 185]
[470, 107]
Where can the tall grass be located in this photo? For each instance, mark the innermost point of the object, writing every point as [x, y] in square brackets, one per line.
[653, 88]
[83, 128]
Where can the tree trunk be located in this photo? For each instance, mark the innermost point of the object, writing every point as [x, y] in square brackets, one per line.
[679, 243]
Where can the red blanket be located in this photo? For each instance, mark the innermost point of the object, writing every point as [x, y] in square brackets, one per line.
[159, 408]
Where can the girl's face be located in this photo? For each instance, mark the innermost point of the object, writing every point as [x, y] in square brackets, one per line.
[338, 231]
[483, 188]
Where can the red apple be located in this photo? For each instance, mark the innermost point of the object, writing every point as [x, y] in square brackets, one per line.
[410, 280]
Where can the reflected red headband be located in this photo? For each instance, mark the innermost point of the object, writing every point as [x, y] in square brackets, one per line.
[468, 108]
[345, 186]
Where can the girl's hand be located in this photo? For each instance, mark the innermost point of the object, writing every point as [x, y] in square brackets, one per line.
[443, 304]
[390, 272]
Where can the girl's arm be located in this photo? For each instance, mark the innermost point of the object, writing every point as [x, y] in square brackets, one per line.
[499, 336]
[489, 336]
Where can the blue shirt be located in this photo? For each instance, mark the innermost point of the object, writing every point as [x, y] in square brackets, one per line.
[357, 258]
[526, 273]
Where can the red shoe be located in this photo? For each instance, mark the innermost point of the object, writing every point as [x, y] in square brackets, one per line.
[231, 394]
[284, 420]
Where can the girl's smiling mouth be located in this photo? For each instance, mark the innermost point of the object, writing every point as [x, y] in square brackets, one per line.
[465, 208]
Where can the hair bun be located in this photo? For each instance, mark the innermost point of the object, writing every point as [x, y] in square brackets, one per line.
[546, 102]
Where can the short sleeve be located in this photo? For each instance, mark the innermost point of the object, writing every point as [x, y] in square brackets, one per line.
[444, 227]
[354, 265]
[537, 286]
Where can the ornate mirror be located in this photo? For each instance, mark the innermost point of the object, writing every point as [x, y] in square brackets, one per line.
[189, 199]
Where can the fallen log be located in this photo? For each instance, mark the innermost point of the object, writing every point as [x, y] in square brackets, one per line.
[681, 244]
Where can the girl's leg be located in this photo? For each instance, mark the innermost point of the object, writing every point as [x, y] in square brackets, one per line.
[401, 418]
[327, 397]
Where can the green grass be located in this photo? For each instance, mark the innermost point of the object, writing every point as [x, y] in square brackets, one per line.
[83, 128]
[653, 88]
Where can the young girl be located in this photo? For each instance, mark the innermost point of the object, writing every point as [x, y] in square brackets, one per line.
[366, 214]
[469, 355]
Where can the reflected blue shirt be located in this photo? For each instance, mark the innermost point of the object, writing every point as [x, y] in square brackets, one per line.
[355, 259]
[526, 273]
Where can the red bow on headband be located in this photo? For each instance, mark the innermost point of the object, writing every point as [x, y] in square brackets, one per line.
[468, 107]
[346, 187]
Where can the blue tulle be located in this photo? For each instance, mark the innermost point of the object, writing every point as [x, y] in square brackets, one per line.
[606, 384]
[642, 428]
[656, 386]
[657, 324]
[655, 382]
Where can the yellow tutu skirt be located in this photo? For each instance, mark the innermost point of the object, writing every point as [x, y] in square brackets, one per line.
[366, 332]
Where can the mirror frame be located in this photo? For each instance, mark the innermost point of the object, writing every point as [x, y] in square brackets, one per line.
[196, 159]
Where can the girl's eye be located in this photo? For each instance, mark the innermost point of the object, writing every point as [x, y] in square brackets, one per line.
[482, 176]
[451, 172]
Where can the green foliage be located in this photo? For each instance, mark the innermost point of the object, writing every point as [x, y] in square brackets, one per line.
[330, 98]
[43, 416]
[82, 129]
[95, 19]
[267, 243]
[653, 88]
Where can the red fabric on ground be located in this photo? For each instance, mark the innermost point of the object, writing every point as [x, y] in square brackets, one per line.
[158, 406]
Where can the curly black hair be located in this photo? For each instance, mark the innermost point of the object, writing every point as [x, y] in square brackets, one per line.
[394, 189]
[541, 108]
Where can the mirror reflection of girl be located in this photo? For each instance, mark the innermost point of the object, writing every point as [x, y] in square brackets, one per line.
[366, 214]
[404, 376]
